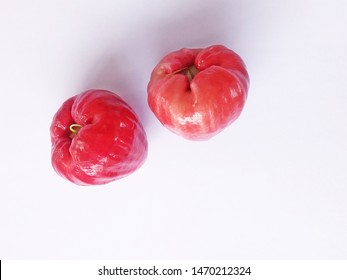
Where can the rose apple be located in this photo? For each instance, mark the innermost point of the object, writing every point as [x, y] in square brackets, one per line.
[196, 93]
[96, 138]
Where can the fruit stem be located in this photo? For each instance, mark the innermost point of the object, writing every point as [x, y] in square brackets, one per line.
[189, 72]
[74, 128]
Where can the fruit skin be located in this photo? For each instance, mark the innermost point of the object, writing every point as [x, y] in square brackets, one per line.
[196, 93]
[110, 142]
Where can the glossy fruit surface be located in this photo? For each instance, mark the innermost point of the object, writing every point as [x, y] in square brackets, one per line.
[196, 93]
[96, 138]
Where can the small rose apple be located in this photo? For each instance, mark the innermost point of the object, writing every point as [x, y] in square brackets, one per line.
[196, 93]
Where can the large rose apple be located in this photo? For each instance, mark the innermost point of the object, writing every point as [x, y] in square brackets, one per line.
[96, 138]
[196, 93]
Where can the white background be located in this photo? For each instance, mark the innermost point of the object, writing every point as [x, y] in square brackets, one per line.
[272, 185]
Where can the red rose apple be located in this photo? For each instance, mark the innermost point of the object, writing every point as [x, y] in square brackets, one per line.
[196, 93]
[96, 138]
